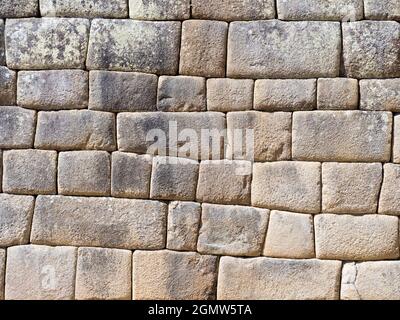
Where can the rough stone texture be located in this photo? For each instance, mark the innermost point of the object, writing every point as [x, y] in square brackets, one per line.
[345, 237]
[278, 279]
[130, 175]
[173, 276]
[159, 9]
[229, 94]
[285, 95]
[232, 230]
[342, 10]
[2, 272]
[351, 187]
[380, 94]
[389, 200]
[17, 127]
[352, 135]
[396, 139]
[224, 181]
[87, 8]
[278, 49]
[122, 91]
[47, 43]
[272, 134]
[337, 94]
[371, 281]
[84, 173]
[36, 89]
[183, 225]
[2, 44]
[99, 222]
[371, 49]
[75, 130]
[203, 48]
[103, 274]
[8, 86]
[40, 273]
[30, 172]
[128, 45]
[286, 185]
[174, 178]
[382, 9]
[290, 235]
[18, 8]
[181, 93]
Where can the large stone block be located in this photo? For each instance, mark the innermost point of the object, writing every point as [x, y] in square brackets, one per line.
[2, 272]
[337, 94]
[8, 86]
[344, 136]
[382, 9]
[278, 279]
[389, 200]
[173, 275]
[47, 43]
[128, 45]
[346, 237]
[278, 49]
[18, 8]
[380, 94]
[159, 9]
[99, 222]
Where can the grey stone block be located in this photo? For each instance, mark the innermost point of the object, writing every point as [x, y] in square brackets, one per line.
[19, 8]
[159, 9]
[8, 86]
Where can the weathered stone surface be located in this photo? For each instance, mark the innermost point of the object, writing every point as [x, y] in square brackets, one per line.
[15, 219]
[159, 9]
[122, 91]
[351, 187]
[371, 49]
[53, 90]
[174, 178]
[382, 9]
[30, 172]
[2, 272]
[224, 181]
[203, 48]
[18, 8]
[103, 274]
[342, 10]
[47, 43]
[183, 225]
[278, 49]
[17, 127]
[278, 279]
[380, 94]
[389, 200]
[99, 222]
[337, 94]
[229, 94]
[84, 173]
[344, 136]
[285, 95]
[40, 273]
[130, 175]
[231, 10]
[346, 237]
[8, 85]
[173, 275]
[290, 235]
[232, 230]
[286, 185]
[371, 281]
[181, 93]
[75, 130]
[271, 132]
[396, 139]
[128, 45]
[87, 8]
[2, 44]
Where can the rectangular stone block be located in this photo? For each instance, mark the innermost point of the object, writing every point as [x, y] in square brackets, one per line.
[40, 273]
[354, 238]
[380, 94]
[396, 139]
[278, 279]
[99, 222]
[19, 8]
[8, 86]
[389, 200]
[128, 45]
[103, 274]
[337, 94]
[279, 49]
[2, 44]
[2, 272]
[53, 90]
[75, 130]
[344, 136]
[382, 9]
[232, 230]
[47, 43]
[170, 275]
[287, 185]
[159, 9]
[122, 91]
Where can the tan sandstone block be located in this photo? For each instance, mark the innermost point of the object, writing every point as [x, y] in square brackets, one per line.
[159, 9]
[2, 272]
[8, 85]
[337, 94]
[380, 94]
[389, 200]
[169, 275]
[382, 9]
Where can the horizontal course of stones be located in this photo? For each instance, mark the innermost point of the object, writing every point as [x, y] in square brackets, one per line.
[87, 213]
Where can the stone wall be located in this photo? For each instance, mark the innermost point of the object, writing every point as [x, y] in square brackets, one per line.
[89, 208]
